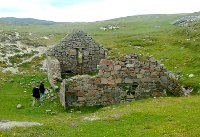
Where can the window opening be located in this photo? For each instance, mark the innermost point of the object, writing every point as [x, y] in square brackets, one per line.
[80, 55]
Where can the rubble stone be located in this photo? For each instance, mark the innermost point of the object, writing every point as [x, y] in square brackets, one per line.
[114, 86]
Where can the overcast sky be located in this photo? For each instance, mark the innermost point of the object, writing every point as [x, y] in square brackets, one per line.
[92, 10]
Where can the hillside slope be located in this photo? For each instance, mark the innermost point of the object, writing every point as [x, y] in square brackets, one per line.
[13, 20]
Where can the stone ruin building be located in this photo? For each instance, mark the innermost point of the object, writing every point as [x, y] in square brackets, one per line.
[124, 79]
[78, 53]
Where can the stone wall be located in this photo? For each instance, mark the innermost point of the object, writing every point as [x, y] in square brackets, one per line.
[84, 90]
[62, 93]
[132, 77]
[78, 53]
[54, 71]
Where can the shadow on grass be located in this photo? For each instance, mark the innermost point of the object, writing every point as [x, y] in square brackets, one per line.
[83, 110]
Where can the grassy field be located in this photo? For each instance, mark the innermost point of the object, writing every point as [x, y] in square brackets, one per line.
[176, 47]
[167, 117]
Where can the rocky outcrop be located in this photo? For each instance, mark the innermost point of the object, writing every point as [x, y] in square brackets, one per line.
[7, 124]
[14, 52]
[184, 21]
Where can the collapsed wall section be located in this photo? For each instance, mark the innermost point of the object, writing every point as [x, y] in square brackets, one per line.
[132, 77]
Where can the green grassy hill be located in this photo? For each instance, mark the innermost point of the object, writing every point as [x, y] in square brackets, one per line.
[13, 20]
[176, 47]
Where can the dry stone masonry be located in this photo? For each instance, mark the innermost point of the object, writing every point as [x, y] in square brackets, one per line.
[54, 71]
[133, 77]
[124, 79]
[78, 53]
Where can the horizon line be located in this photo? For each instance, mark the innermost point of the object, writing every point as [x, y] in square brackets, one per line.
[97, 20]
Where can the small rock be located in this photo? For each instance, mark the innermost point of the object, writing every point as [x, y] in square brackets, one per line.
[72, 110]
[48, 110]
[117, 115]
[52, 95]
[53, 113]
[191, 75]
[136, 47]
[91, 118]
[73, 125]
[78, 112]
[178, 72]
[187, 90]
[4, 121]
[56, 88]
[19, 106]
[11, 81]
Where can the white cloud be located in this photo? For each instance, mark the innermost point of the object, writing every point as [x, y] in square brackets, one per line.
[99, 10]
[119, 8]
